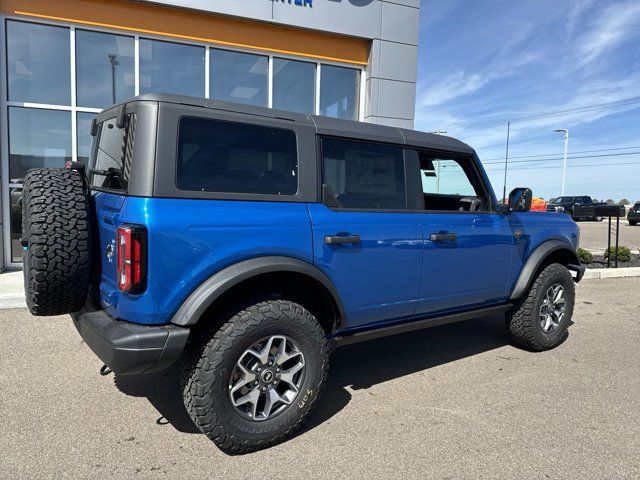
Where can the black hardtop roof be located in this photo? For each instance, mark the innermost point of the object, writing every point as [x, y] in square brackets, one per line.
[323, 125]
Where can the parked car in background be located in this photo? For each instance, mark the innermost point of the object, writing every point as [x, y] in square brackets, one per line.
[634, 214]
[580, 208]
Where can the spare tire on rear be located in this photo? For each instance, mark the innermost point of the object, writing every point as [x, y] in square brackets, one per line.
[56, 241]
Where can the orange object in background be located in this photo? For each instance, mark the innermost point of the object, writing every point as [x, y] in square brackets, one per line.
[538, 205]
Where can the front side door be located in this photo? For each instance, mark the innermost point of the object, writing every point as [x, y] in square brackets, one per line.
[364, 239]
[468, 248]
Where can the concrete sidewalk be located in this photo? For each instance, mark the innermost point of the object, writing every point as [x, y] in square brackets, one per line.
[12, 290]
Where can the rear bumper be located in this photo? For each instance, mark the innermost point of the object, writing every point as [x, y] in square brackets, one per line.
[129, 348]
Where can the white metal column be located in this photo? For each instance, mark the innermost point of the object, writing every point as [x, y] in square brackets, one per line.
[207, 59]
[363, 95]
[4, 151]
[74, 117]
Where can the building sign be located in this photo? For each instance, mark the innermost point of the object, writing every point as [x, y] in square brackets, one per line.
[302, 3]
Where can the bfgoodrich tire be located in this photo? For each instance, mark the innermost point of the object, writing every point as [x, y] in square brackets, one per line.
[539, 320]
[56, 240]
[247, 360]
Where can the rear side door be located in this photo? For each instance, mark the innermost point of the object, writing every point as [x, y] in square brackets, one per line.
[364, 238]
[468, 248]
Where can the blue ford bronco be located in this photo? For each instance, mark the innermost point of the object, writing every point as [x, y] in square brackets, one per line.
[247, 243]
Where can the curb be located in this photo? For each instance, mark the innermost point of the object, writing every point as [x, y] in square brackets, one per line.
[12, 290]
[600, 251]
[13, 301]
[592, 273]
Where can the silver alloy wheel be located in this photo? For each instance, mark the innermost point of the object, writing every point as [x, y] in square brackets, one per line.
[553, 308]
[267, 378]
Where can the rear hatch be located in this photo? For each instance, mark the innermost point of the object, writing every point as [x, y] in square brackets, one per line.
[109, 171]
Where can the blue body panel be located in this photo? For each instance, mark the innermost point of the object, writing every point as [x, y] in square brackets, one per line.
[537, 228]
[474, 269]
[190, 240]
[378, 278]
[395, 273]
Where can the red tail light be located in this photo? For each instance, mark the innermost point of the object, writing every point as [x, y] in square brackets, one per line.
[132, 261]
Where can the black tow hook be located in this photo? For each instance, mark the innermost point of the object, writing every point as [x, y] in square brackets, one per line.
[104, 370]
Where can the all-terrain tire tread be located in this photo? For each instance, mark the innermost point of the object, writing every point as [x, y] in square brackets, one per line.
[56, 229]
[522, 320]
[208, 354]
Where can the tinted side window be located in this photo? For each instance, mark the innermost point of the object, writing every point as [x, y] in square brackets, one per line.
[229, 157]
[364, 175]
[111, 154]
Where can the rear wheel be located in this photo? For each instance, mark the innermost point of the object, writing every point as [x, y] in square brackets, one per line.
[539, 320]
[56, 241]
[250, 383]
[633, 223]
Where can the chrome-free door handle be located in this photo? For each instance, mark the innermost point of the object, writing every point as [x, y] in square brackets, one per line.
[442, 237]
[341, 239]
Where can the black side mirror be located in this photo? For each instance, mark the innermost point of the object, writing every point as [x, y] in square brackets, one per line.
[520, 199]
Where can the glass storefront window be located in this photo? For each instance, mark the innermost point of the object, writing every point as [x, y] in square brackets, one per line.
[83, 128]
[238, 77]
[294, 85]
[38, 68]
[171, 68]
[104, 68]
[37, 138]
[38, 63]
[339, 88]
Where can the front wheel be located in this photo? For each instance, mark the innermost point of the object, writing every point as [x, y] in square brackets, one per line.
[633, 223]
[250, 383]
[539, 320]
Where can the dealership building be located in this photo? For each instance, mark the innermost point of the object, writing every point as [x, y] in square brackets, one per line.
[65, 60]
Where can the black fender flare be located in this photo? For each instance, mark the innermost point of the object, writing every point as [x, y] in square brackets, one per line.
[535, 260]
[212, 288]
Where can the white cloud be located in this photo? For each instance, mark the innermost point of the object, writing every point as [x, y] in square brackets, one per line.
[615, 24]
[456, 85]
[575, 14]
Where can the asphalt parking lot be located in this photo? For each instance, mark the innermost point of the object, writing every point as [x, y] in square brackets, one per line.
[593, 235]
[452, 402]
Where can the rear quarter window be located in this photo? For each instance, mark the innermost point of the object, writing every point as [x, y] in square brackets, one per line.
[111, 154]
[231, 157]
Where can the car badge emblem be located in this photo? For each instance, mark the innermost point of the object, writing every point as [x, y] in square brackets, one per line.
[111, 250]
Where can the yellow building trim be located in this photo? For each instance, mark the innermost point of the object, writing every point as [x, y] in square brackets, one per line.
[175, 23]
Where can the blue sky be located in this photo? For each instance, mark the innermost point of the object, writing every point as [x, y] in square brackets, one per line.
[484, 63]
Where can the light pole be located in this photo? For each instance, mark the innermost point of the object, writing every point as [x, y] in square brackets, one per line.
[113, 59]
[564, 161]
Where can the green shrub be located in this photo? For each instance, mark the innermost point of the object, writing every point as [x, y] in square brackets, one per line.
[585, 255]
[624, 254]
